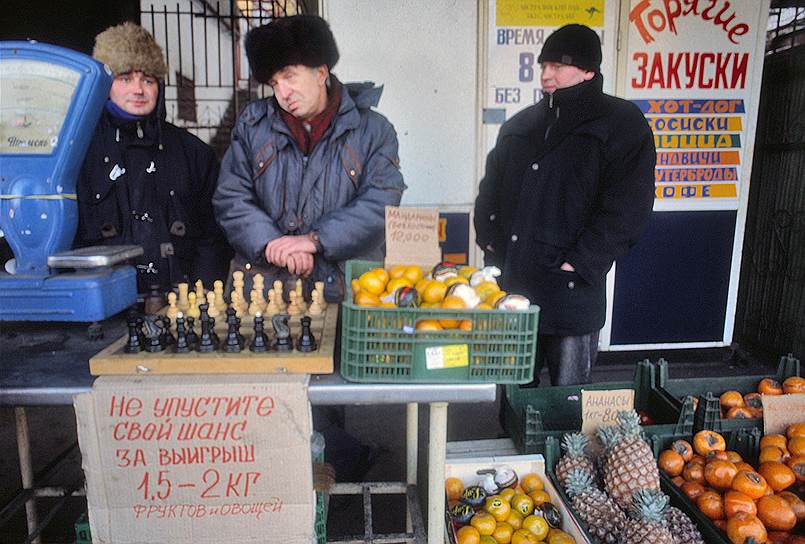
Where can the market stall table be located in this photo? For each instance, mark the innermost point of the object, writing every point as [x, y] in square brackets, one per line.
[46, 365]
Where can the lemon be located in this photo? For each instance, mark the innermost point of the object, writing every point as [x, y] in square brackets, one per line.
[397, 271]
[382, 274]
[466, 271]
[371, 283]
[486, 288]
[451, 302]
[413, 273]
[428, 325]
[365, 298]
[396, 283]
[456, 279]
[434, 291]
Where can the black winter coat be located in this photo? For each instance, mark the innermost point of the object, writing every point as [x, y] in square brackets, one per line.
[581, 194]
[162, 201]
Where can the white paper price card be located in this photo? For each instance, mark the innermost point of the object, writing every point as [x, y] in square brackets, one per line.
[439, 357]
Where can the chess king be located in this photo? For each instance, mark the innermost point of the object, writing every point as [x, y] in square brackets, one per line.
[145, 181]
[306, 179]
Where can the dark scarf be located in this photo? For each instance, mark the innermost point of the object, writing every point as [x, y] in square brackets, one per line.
[308, 133]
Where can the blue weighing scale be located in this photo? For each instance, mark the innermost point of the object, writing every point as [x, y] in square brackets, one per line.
[51, 100]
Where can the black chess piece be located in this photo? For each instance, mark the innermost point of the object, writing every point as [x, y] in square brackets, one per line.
[306, 342]
[182, 345]
[167, 337]
[192, 337]
[233, 319]
[232, 344]
[282, 332]
[215, 339]
[206, 343]
[153, 334]
[134, 344]
[260, 341]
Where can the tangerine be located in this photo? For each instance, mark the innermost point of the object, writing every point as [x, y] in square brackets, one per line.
[397, 271]
[523, 536]
[498, 507]
[531, 482]
[523, 504]
[537, 525]
[412, 273]
[382, 274]
[515, 519]
[396, 283]
[508, 493]
[365, 298]
[468, 535]
[433, 291]
[558, 536]
[484, 522]
[503, 533]
[539, 497]
[428, 325]
[452, 302]
[453, 487]
[371, 282]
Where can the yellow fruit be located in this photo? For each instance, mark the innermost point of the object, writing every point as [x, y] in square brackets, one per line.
[498, 507]
[503, 533]
[486, 288]
[537, 525]
[428, 325]
[396, 283]
[515, 519]
[412, 273]
[434, 291]
[466, 271]
[524, 536]
[465, 325]
[451, 302]
[484, 306]
[484, 522]
[558, 536]
[356, 286]
[371, 282]
[468, 535]
[539, 497]
[487, 539]
[397, 271]
[453, 487]
[456, 279]
[523, 504]
[531, 482]
[364, 298]
[494, 297]
[420, 285]
[507, 494]
[387, 304]
[382, 274]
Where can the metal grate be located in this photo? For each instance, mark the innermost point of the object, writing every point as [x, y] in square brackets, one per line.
[786, 29]
[208, 80]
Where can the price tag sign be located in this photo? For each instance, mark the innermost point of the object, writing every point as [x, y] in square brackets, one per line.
[412, 236]
[780, 411]
[440, 357]
[602, 407]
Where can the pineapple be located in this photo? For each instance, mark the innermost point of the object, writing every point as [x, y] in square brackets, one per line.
[681, 526]
[629, 464]
[602, 517]
[607, 437]
[575, 445]
[647, 519]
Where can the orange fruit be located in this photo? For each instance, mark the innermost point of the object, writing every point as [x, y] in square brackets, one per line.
[433, 291]
[486, 288]
[356, 286]
[453, 487]
[364, 298]
[523, 536]
[498, 507]
[412, 273]
[494, 298]
[465, 325]
[515, 519]
[796, 445]
[537, 525]
[508, 493]
[558, 536]
[456, 279]
[523, 504]
[488, 539]
[396, 283]
[452, 302]
[503, 533]
[382, 274]
[468, 535]
[539, 497]
[484, 522]
[397, 271]
[371, 282]
[428, 325]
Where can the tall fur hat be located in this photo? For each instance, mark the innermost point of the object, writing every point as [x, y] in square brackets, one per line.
[577, 45]
[298, 39]
[130, 48]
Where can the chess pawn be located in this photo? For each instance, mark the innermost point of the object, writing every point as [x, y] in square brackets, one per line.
[257, 283]
[213, 305]
[260, 342]
[238, 303]
[172, 310]
[272, 308]
[300, 297]
[218, 289]
[293, 307]
[192, 310]
[200, 291]
[319, 288]
[256, 306]
[278, 295]
[306, 342]
[183, 303]
[315, 308]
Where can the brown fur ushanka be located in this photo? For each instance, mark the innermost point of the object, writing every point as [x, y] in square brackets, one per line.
[130, 48]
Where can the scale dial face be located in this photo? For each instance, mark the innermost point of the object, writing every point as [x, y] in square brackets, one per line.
[36, 97]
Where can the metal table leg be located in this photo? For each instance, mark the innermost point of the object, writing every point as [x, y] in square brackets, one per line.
[412, 445]
[26, 468]
[436, 454]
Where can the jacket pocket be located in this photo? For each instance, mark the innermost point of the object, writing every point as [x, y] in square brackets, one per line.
[100, 213]
[351, 164]
[263, 159]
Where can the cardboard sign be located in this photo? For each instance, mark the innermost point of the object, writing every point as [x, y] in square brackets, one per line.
[780, 411]
[602, 407]
[412, 236]
[197, 459]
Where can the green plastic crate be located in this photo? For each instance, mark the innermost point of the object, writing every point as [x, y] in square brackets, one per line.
[708, 415]
[82, 534]
[383, 345]
[531, 415]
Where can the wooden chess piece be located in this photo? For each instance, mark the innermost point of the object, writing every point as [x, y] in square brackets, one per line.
[258, 284]
[200, 292]
[293, 306]
[257, 305]
[220, 302]
[272, 308]
[237, 287]
[172, 310]
[213, 305]
[315, 308]
[192, 310]
[278, 298]
[237, 303]
[183, 303]
[319, 288]
[300, 297]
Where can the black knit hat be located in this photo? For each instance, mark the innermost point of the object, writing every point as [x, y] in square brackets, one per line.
[577, 45]
[298, 39]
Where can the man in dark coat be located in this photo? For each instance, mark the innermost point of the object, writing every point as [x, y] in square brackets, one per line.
[568, 189]
[145, 181]
[305, 183]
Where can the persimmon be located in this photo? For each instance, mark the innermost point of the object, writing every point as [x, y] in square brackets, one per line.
[744, 466]
[711, 505]
[693, 472]
[731, 399]
[794, 385]
[750, 483]
[753, 400]
[757, 412]
[771, 454]
[671, 463]
[797, 464]
[707, 441]
[678, 481]
[740, 412]
[778, 537]
[776, 513]
[698, 459]
[795, 429]
[453, 487]
[734, 457]
[796, 445]
[777, 475]
[721, 524]
[719, 474]
[692, 490]
[713, 455]
[769, 386]
[796, 504]
[776, 440]
[735, 501]
[683, 448]
[743, 526]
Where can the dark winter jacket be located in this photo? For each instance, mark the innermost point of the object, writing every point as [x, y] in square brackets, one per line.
[268, 189]
[162, 201]
[580, 194]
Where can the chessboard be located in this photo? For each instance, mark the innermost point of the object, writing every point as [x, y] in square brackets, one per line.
[284, 334]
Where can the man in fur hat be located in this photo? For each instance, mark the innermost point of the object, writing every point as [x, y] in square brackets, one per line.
[305, 182]
[568, 189]
[145, 181]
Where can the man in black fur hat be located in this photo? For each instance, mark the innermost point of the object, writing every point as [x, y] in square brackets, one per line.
[568, 189]
[145, 181]
[305, 182]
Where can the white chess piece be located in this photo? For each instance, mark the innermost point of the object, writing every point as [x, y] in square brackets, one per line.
[315, 308]
[300, 297]
[257, 305]
[172, 310]
[220, 302]
[192, 310]
[200, 291]
[213, 307]
[272, 308]
[278, 295]
[319, 288]
[183, 303]
[293, 306]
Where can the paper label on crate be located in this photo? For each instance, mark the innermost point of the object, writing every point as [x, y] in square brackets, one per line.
[780, 411]
[439, 357]
[602, 407]
[412, 236]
